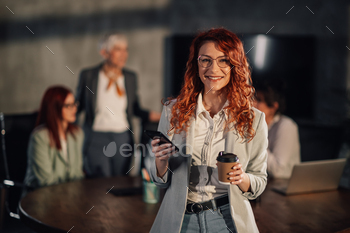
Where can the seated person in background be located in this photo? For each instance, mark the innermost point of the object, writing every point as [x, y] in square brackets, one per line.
[55, 145]
[284, 147]
[108, 95]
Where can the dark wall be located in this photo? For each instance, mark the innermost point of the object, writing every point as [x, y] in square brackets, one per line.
[282, 62]
[322, 135]
[283, 18]
[72, 22]
[325, 20]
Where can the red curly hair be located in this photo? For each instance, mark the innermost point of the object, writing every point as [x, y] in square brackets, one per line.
[239, 90]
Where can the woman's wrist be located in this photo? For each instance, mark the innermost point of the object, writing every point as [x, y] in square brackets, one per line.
[161, 166]
[245, 184]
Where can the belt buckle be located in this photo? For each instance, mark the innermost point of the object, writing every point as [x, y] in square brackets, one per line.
[195, 207]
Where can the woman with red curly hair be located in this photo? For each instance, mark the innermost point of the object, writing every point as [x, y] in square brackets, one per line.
[213, 113]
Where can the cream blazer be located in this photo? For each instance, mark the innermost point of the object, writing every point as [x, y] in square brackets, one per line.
[252, 155]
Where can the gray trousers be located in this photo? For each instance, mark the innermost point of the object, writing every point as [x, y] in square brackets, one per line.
[107, 154]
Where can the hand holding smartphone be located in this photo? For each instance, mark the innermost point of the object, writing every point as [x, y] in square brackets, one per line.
[158, 135]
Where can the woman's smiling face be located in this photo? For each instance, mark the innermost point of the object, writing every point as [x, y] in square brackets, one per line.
[213, 77]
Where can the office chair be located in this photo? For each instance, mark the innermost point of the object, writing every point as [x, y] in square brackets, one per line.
[18, 129]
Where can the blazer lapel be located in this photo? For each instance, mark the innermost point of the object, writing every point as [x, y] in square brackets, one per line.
[184, 141]
[128, 92]
[234, 145]
[70, 150]
[189, 149]
[190, 138]
[60, 155]
[229, 142]
[94, 81]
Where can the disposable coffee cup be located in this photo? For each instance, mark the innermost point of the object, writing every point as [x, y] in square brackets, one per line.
[225, 163]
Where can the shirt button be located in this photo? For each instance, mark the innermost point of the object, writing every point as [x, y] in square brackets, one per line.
[211, 127]
[205, 179]
[206, 143]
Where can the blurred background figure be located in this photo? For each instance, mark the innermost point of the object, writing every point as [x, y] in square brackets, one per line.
[283, 135]
[108, 95]
[55, 145]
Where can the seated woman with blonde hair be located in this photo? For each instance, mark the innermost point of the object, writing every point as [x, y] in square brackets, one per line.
[55, 145]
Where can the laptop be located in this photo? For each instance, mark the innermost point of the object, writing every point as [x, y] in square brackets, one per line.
[313, 176]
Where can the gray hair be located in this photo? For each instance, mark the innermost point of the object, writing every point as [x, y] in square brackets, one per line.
[108, 41]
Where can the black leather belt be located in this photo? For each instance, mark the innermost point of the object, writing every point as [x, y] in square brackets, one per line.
[196, 208]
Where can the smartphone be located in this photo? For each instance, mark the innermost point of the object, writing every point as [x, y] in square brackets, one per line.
[158, 135]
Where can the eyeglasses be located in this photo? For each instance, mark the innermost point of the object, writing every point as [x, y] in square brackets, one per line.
[71, 106]
[206, 61]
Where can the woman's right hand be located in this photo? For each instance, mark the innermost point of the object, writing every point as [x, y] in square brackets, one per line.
[162, 153]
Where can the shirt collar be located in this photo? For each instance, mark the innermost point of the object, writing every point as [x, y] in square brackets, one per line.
[105, 77]
[200, 107]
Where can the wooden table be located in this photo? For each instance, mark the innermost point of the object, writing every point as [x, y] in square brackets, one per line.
[320, 212]
[84, 206]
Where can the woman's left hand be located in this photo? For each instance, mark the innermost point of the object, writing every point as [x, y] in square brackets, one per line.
[237, 175]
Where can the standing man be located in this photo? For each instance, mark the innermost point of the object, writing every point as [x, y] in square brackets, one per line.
[108, 94]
